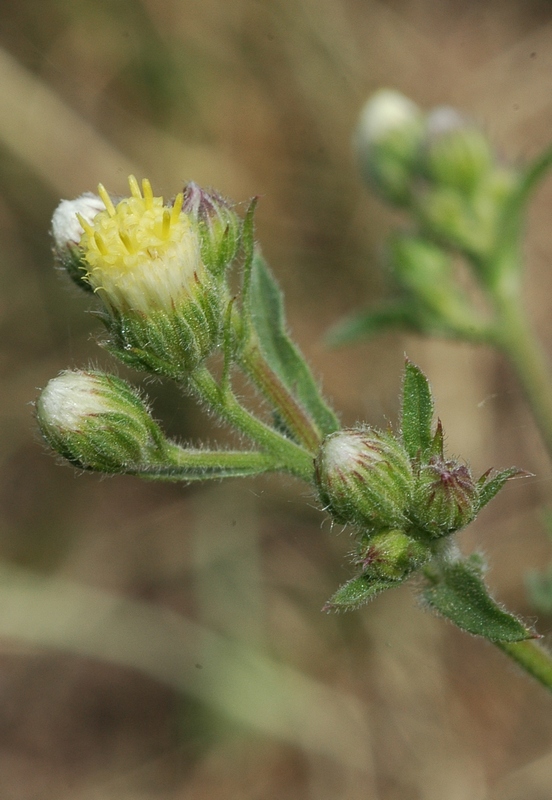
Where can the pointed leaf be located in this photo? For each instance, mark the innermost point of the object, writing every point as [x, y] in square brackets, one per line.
[437, 448]
[365, 324]
[356, 592]
[492, 486]
[459, 593]
[284, 358]
[417, 411]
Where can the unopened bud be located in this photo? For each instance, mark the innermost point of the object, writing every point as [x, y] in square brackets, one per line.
[391, 555]
[387, 142]
[67, 231]
[218, 225]
[445, 497]
[426, 271]
[456, 152]
[98, 422]
[364, 477]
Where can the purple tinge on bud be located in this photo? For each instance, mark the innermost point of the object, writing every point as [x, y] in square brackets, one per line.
[364, 477]
[219, 226]
[445, 498]
[201, 203]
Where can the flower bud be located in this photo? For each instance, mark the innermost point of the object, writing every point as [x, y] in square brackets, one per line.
[391, 555]
[98, 422]
[218, 225]
[364, 477]
[387, 142]
[144, 261]
[445, 497]
[426, 271]
[67, 231]
[456, 151]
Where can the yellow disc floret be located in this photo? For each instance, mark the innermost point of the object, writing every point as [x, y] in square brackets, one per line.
[141, 254]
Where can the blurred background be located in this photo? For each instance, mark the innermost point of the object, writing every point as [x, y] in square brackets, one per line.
[166, 642]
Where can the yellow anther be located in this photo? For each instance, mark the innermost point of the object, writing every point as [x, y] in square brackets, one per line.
[125, 238]
[106, 200]
[148, 193]
[134, 188]
[166, 224]
[177, 207]
[85, 225]
[100, 244]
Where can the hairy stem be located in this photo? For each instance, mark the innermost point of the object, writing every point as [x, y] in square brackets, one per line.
[298, 422]
[532, 658]
[291, 457]
[188, 464]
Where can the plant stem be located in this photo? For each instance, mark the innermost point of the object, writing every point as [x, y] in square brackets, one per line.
[532, 658]
[291, 457]
[283, 401]
[187, 464]
[514, 336]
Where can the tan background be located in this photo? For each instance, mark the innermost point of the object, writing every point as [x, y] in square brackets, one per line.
[117, 679]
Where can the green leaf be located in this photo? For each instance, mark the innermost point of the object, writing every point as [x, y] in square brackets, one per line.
[417, 411]
[365, 324]
[489, 488]
[282, 355]
[356, 592]
[457, 591]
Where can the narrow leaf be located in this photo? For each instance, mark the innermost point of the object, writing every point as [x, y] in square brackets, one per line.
[457, 591]
[492, 486]
[437, 448]
[284, 358]
[365, 324]
[356, 592]
[417, 411]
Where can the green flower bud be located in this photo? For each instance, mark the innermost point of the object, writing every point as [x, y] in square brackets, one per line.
[364, 477]
[387, 142]
[426, 271]
[466, 224]
[67, 232]
[456, 152]
[143, 258]
[446, 497]
[219, 226]
[391, 555]
[386, 559]
[98, 422]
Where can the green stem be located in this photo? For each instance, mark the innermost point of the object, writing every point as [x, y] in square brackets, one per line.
[186, 464]
[291, 457]
[532, 658]
[298, 422]
[515, 337]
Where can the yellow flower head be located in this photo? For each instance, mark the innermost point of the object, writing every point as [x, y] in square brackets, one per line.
[141, 254]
